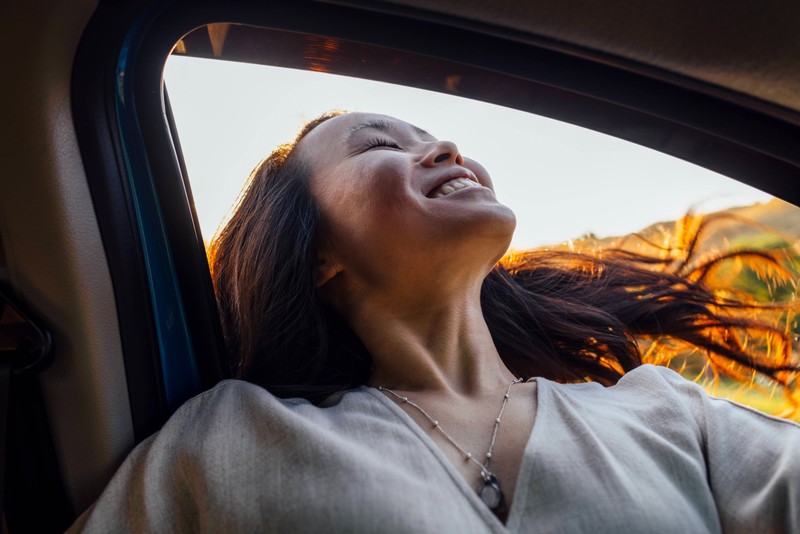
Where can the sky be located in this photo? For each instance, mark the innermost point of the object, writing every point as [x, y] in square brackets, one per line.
[562, 181]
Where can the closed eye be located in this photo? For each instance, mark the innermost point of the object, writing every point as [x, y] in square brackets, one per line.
[377, 142]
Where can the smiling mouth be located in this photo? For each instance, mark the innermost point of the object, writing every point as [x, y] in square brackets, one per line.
[452, 186]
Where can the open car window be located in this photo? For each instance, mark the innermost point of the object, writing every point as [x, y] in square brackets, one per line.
[562, 181]
[569, 186]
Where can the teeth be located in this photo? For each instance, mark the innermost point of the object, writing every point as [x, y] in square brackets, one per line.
[454, 185]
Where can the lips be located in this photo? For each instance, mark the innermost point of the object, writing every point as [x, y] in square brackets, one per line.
[452, 183]
[451, 186]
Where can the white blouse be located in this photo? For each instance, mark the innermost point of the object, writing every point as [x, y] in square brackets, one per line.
[653, 453]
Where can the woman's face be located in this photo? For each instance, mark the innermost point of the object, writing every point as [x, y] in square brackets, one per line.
[397, 203]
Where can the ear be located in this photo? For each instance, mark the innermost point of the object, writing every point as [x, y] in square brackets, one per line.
[325, 270]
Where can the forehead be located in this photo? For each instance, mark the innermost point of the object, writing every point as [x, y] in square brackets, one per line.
[339, 130]
[329, 140]
[348, 124]
[382, 123]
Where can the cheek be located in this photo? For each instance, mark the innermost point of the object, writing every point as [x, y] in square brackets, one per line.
[376, 193]
[365, 207]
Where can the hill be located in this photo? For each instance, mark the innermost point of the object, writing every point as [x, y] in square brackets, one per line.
[771, 228]
[733, 225]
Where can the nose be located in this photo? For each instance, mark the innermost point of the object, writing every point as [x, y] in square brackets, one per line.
[442, 152]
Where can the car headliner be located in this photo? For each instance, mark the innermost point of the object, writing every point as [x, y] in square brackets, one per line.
[751, 48]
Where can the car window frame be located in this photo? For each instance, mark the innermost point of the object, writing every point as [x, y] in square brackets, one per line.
[174, 349]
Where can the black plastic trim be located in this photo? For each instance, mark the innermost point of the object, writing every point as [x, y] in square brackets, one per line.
[95, 122]
[593, 56]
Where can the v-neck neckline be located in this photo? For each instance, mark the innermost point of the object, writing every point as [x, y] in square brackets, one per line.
[521, 490]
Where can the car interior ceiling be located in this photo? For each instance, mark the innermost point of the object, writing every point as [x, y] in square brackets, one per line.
[728, 102]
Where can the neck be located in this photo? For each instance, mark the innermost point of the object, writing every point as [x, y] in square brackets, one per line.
[443, 346]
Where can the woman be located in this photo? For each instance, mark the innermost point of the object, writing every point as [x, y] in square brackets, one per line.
[357, 280]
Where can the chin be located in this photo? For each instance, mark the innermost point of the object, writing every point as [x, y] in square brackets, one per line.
[503, 226]
[506, 221]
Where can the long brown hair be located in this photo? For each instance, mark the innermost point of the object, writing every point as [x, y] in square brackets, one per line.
[564, 315]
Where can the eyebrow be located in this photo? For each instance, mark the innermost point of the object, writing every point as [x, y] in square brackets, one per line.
[381, 125]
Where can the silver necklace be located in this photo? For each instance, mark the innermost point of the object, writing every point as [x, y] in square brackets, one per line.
[489, 489]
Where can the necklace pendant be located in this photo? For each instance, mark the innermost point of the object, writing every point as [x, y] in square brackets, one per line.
[492, 495]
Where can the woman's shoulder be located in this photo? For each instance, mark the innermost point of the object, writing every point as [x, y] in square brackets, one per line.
[649, 393]
[644, 379]
[226, 398]
[246, 406]
[236, 396]
[233, 391]
[652, 394]
[651, 379]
